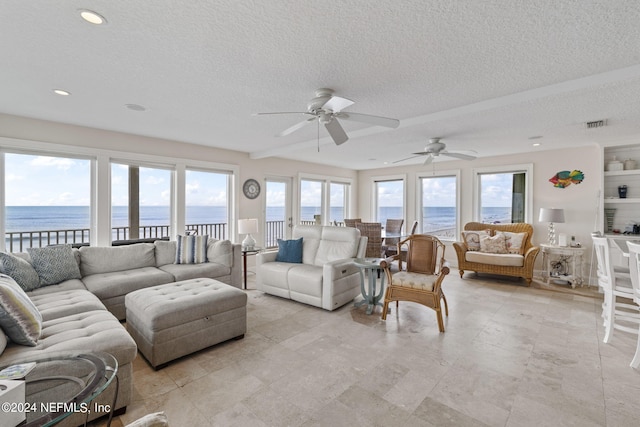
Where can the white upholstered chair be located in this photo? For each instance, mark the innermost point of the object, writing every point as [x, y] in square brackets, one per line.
[634, 271]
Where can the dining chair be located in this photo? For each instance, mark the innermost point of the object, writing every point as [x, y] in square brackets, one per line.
[634, 272]
[373, 231]
[352, 222]
[403, 249]
[421, 280]
[616, 313]
[390, 244]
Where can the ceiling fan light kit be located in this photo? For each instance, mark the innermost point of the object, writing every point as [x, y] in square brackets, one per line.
[327, 108]
[433, 149]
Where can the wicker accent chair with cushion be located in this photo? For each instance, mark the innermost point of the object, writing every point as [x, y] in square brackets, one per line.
[503, 249]
[421, 281]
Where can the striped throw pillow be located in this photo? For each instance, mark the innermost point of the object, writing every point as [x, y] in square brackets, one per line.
[19, 317]
[191, 249]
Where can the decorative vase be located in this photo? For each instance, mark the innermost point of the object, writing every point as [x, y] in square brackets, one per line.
[608, 213]
[622, 191]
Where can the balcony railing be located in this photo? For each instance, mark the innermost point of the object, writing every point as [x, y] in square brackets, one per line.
[19, 241]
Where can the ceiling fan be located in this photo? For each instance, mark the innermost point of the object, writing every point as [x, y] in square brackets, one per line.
[327, 108]
[433, 149]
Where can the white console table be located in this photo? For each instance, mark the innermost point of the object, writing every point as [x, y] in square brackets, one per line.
[563, 263]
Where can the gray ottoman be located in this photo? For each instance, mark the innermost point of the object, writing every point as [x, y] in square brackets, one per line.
[176, 319]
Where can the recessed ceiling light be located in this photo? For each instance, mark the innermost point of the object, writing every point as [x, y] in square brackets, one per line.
[61, 92]
[536, 144]
[92, 17]
[135, 107]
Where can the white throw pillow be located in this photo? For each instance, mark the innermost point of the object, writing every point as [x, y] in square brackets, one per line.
[514, 241]
[472, 238]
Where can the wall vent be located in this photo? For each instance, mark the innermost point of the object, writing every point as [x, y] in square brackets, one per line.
[596, 124]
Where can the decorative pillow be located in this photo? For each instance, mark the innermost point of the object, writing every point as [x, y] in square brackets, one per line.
[493, 244]
[191, 249]
[19, 270]
[290, 251]
[472, 238]
[514, 241]
[19, 317]
[54, 264]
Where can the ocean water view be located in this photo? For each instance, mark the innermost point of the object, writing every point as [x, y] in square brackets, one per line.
[36, 218]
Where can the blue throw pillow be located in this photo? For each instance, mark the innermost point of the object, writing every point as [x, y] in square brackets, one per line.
[290, 251]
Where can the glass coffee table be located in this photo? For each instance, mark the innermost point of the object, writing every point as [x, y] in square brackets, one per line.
[63, 384]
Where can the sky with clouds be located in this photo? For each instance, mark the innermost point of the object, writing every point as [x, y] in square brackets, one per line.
[51, 181]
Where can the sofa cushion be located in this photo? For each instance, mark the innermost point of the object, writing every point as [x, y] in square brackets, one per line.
[96, 260]
[472, 238]
[19, 317]
[305, 279]
[505, 260]
[95, 330]
[54, 264]
[65, 303]
[220, 251]
[192, 271]
[67, 285]
[493, 244]
[337, 243]
[19, 270]
[290, 250]
[165, 252]
[117, 283]
[409, 279]
[311, 235]
[191, 249]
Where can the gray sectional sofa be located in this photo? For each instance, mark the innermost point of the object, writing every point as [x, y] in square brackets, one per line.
[84, 314]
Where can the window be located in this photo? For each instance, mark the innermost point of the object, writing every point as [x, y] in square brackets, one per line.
[389, 199]
[503, 195]
[439, 206]
[47, 201]
[311, 196]
[338, 195]
[140, 202]
[207, 203]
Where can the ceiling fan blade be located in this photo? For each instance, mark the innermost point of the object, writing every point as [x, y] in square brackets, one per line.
[280, 112]
[372, 120]
[336, 131]
[428, 160]
[337, 104]
[458, 155]
[295, 127]
[408, 158]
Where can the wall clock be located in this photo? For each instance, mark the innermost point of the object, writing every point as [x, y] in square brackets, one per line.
[251, 188]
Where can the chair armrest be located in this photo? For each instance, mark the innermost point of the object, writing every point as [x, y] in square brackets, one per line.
[338, 268]
[266, 256]
[445, 268]
[461, 250]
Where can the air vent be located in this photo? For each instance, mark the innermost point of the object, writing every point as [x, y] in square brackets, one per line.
[596, 124]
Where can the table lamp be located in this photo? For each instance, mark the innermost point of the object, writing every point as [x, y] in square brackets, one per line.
[551, 215]
[248, 226]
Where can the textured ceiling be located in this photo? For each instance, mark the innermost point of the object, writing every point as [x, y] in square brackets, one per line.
[483, 75]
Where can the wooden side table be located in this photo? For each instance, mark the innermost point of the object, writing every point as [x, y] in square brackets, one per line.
[563, 263]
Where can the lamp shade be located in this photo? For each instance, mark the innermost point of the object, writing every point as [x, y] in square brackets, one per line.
[247, 226]
[551, 215]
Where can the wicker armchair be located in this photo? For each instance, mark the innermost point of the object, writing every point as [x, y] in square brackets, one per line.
[524, 268]
[351, 222]
[421, 281]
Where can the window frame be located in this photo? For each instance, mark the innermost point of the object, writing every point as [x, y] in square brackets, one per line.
[325, 206]
[419, 205]
[526, 168]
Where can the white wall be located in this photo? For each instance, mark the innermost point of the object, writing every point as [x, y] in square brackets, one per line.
[578, 201]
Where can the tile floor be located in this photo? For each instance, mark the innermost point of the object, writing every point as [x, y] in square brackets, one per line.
[511, 356]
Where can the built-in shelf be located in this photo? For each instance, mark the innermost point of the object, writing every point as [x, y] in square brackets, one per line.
[623, 172]
[627, 200]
